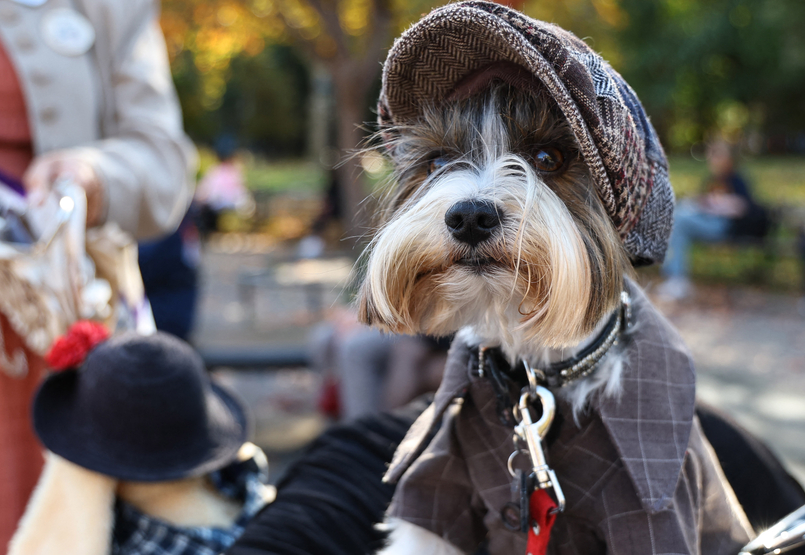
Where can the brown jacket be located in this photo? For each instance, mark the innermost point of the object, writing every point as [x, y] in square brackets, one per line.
[638, 474]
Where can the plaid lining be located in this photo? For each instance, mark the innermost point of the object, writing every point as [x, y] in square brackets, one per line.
[639, 476]
[139, 534]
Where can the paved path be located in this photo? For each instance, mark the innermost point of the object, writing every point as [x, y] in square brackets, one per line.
[749, 348]
[283, 402]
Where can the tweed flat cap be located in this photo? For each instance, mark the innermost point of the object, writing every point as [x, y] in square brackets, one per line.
[617, 141]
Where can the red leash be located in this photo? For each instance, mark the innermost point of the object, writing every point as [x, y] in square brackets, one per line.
[543, 516]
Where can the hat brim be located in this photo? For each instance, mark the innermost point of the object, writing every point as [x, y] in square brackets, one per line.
[86, 443]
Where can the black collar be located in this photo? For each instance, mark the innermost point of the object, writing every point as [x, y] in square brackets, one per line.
[493, 364]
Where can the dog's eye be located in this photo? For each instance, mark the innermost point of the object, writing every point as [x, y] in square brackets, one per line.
[436, 164]
[548, 159]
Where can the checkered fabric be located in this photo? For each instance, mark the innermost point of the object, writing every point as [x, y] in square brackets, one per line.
[139, 534]
[616, 139]
[638, 474]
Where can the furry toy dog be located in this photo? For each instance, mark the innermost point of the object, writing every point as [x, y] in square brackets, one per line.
[146, 453]
[528, 182]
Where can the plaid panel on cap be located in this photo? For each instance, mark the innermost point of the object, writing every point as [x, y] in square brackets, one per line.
[616, 139]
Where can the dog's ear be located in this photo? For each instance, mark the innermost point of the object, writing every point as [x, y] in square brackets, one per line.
[367, 312]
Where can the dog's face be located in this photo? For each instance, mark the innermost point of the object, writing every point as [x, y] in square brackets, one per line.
[493, 223]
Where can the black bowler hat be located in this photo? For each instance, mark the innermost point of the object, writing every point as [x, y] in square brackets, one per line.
[140, 408]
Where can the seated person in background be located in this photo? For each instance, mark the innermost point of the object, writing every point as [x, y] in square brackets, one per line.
[146, 453]
[169, 267]
[725, 210]
[370, 371]
[222, 187]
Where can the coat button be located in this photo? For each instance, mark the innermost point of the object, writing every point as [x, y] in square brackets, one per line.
[510, 515]
[49, 114]
[40, 78]
[25, 43]
[9, 15]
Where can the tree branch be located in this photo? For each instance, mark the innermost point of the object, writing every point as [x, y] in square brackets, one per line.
[329, 16]
[379, 35]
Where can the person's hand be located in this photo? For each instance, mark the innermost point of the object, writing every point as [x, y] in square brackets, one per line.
[46, 169]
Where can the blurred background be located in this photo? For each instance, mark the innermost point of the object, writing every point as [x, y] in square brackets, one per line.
[285, 90]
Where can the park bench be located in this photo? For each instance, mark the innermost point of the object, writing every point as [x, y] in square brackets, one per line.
[784, 238]
[313, 278]
[263, 358]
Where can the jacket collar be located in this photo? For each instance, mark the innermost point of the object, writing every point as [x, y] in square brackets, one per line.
[455, 384]
[649, 422]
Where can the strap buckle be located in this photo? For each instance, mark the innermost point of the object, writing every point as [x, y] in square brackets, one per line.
[531, 434]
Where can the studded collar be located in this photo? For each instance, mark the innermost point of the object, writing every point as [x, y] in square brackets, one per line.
[492, 363]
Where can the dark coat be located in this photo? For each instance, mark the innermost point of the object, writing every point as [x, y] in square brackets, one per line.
[638, 474]
[329, 501]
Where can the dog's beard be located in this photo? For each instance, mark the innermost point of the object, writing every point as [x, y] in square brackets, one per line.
[533, 275]
[550, 271]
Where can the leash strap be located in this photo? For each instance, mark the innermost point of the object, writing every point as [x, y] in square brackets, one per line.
[543, 515]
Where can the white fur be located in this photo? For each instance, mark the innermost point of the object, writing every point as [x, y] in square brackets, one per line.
[539, 235]
[417, 240]
[70, 513]
[409, 539]
[607, 379]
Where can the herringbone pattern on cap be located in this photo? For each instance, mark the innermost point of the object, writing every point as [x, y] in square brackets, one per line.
[614, 134]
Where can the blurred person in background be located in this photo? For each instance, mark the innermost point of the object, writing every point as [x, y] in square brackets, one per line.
[222, 188]
[169, 267]
[315, 243]
[367, 371]
[724, 211]
[85, 92]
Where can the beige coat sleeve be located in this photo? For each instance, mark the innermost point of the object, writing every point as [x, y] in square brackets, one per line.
[144, 158]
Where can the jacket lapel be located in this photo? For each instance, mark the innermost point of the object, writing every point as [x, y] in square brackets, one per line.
[650, 422]
[455, 383]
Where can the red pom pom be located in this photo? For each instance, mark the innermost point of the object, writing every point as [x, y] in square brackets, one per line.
[70, 350]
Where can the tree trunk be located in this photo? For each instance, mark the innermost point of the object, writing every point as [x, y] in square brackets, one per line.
[351, 90]
[320, 109]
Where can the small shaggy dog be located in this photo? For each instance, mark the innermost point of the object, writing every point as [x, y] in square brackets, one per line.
[528, 182]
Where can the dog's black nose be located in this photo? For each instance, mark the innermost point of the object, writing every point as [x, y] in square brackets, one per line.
[472, 221]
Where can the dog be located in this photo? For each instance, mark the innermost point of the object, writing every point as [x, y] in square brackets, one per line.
[527, 183]
[146, 453]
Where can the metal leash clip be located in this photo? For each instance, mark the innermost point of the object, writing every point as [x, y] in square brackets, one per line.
[532, 433]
